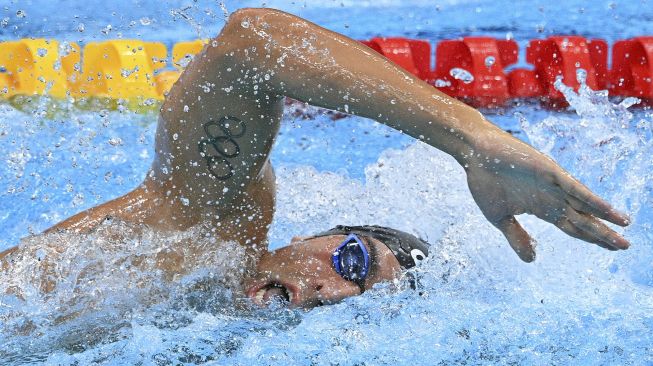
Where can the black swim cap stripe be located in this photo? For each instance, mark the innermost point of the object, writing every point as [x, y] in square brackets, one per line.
[406, 248]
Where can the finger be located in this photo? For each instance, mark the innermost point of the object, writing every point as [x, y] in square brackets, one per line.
[572, 230]
[518, 238]
[596, 229]
[611, 215]
[582, 199]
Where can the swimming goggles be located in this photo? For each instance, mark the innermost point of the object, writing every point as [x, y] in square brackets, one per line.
[351, 260]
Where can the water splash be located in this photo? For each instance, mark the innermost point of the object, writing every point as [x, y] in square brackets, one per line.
[610, 149]
[72, 292]
[476, 301]
[589, 103]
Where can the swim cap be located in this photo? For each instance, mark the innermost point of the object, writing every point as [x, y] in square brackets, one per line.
[408, 249]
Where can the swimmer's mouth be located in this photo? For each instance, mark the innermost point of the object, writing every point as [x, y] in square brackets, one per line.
[272, 291]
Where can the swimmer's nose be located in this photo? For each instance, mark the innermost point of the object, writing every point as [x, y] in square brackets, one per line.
[324, 293]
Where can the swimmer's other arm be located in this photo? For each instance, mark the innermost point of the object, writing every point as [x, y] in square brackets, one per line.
[506, 176]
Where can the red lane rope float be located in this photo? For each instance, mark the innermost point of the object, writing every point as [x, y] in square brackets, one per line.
[562, 57]
[632, 68]
[473, 69]
[470, 68]
[412, 55]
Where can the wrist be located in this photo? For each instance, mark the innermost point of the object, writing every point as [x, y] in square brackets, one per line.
[469, 138]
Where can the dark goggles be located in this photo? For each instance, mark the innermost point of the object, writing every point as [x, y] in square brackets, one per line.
[351, 260]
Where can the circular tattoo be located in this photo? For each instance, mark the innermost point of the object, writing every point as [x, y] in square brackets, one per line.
[221, 145]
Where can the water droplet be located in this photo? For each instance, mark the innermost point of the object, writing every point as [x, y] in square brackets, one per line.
[439, 83]
[581, 76]
[462, 75]
[245, 23]
[81, 27]
[107, 29]
[175, 137]
[65, 49]
[115, 141]
[183, 62]
[392, 101]
[489, 61]
[184, 201]
[145, 21]
[21, 14]
[4, 22]
[629, 102]
[78, 200]
[126, 72]
[186, 108]
[42, 52]
[565, 43]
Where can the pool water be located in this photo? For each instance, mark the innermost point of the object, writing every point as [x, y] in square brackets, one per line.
[477, 303]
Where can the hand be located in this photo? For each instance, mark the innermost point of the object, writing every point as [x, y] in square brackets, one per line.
[507, 178]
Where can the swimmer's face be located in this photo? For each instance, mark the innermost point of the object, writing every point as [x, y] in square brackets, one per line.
[303, 274]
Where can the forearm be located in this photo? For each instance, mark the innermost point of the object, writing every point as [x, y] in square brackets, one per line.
[309, 63]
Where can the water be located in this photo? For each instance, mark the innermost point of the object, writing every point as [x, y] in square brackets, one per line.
[477, 304]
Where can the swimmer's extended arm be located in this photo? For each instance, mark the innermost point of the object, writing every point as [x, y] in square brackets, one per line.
[295, 58]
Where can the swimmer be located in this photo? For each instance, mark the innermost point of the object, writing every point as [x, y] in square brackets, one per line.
[218, 124]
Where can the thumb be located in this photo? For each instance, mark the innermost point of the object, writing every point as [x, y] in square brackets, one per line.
[518, 238]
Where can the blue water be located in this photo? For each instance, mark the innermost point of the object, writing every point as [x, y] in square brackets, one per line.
[577, 304]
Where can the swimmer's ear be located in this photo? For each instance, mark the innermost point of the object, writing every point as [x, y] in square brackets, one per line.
[518, 238]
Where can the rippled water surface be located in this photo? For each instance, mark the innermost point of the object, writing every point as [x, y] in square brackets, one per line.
[477, 303]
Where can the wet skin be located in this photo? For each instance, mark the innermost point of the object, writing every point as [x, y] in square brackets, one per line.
[305, 271]
[212, 149]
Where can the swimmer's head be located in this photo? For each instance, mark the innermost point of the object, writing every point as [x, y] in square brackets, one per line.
[333, 265]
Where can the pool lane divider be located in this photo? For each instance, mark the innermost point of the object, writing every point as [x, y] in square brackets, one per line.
[474, 69]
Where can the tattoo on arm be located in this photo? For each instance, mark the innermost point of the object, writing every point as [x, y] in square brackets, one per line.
[220, 145]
